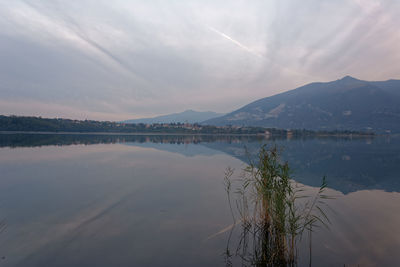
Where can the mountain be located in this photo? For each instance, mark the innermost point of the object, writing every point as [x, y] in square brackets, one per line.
[189, 116]
[345, 104]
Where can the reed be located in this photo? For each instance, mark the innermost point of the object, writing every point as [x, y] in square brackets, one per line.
[271, 219]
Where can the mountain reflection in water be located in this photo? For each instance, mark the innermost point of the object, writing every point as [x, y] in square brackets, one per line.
[112, 200]
[350, 164]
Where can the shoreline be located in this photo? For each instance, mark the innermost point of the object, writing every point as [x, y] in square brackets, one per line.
[193, 134]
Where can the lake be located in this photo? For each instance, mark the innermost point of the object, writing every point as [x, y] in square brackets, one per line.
[110, 200]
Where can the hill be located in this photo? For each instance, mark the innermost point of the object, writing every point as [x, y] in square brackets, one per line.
[187, 116]
[345, 104]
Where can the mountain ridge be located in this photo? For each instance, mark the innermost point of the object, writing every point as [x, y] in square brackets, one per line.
[344, 104]
[189, 116]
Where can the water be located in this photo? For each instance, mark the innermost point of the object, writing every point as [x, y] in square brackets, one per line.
[84, 200]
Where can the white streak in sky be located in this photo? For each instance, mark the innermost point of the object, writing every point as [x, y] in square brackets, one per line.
[283, 68]
[235, 42]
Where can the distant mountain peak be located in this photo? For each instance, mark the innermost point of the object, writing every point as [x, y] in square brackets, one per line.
[349, 78]
[190, 116]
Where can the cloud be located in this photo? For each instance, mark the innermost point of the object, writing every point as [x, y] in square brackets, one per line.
[130, 59]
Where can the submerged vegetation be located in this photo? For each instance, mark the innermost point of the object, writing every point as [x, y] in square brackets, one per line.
[272, 219]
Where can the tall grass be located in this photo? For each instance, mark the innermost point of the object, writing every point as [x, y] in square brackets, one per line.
[272, 221]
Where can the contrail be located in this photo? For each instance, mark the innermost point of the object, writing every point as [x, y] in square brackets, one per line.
[283, 68]
[286, 69]
[235, 42]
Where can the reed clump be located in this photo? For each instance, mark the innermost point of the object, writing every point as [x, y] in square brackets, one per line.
[272, 222]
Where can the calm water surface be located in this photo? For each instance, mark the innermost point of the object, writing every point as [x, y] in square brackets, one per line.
[71, 200]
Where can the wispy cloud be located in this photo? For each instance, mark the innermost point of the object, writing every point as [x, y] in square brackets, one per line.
[129, 59]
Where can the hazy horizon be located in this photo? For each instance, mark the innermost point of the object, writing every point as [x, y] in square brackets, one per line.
[122, 60]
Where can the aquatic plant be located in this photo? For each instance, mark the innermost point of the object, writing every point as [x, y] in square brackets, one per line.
[270, 215]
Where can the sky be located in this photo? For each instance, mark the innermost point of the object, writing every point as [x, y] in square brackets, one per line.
[120, 59]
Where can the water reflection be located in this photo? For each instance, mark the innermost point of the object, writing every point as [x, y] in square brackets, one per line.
[110, 205]
[364, 231]
[160, 200]
[350, 164]
[37, 140]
